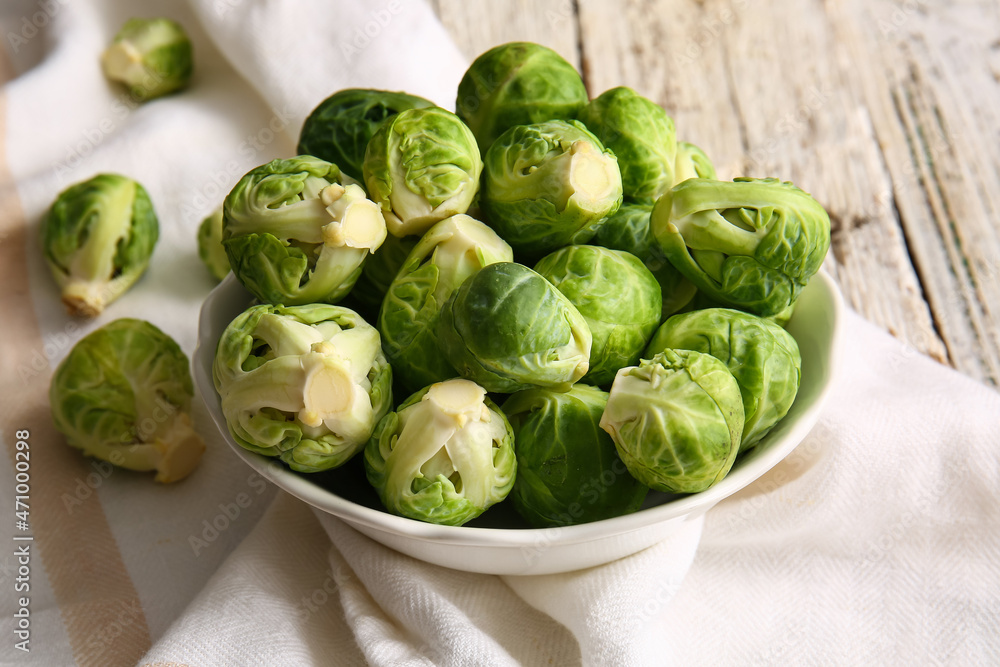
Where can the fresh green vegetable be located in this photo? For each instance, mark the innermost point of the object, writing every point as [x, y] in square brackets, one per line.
[763, 357]
[519, 83]
[339, 129]
[447, 254]
[306, 384]
[676, 420]
[568, 470]
[549, 185]
[421, 166]
[628, 229]
[640, 134]
[97, 239]
[617, 296]
[750, 244]
[123, 395]
[151, 57]
[378, 272]
[296, 233]
[445, 456]
[210, 247]
[692, 162]
[507, 328]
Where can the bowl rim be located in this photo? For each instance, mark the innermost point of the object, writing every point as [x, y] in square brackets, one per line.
[328, 501]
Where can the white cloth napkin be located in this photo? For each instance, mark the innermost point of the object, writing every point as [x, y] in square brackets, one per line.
[875, 542]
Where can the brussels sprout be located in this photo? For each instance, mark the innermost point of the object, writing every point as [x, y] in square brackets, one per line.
[691, 162]
[676, 420]
[97, 239]
[763, 357]
[296, 233]
[640, 134]
[210, 247]
[750, 244]
[549, 185]
[306, 384]
[444, 457]
[628, 229]
[378, 272]
[519, 83]
[123, 395]
[338, 130]
[617, 296]
[447, 254]
[151, 57]
[568, 470]
[508, 328]
[421, 166]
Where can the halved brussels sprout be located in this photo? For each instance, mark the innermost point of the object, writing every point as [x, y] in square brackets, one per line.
[763, 357]
[297, 233]
[549, 185]
[97, 239]
[306, 384]
[617, 296]
[676, 420]
[640, 134]
[568, 470]
[508, 328]
[445, 456]
[628, 229]
[518, 83]
[421, 166]
[152, 57]
[750, 244]
[447, 254]
[123, 395]
[210, 247]
[338, 130]
[691, 162]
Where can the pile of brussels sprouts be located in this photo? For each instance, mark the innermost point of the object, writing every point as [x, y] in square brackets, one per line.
[573, 308]
[541, 295]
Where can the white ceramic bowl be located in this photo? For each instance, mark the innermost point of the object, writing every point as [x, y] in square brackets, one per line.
[498, 542]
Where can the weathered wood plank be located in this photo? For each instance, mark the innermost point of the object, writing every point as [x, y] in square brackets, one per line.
[767, 92]
[931, 83]
[478, 26]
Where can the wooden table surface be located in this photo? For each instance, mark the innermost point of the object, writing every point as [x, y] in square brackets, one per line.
[887, 112]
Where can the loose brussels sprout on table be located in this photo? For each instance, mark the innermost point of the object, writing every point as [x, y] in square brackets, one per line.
[568, 470]
[617, 296]
[97, 239]
[151, 57]
[750, 244]
[421, 166]
[628, 229]
[210, 248]
[763, 358]
[508, 328]
[549, 185]
[518, 83]
[447, 254]
[306, 384]
[123, 395]
[297, 233]
[676, 420]
[445, 456]
[640, 134]
[339, 129]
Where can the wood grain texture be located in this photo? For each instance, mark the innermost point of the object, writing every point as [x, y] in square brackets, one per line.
[887, 112]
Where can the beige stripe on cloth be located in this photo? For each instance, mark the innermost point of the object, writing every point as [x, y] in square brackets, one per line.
[97, 600]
